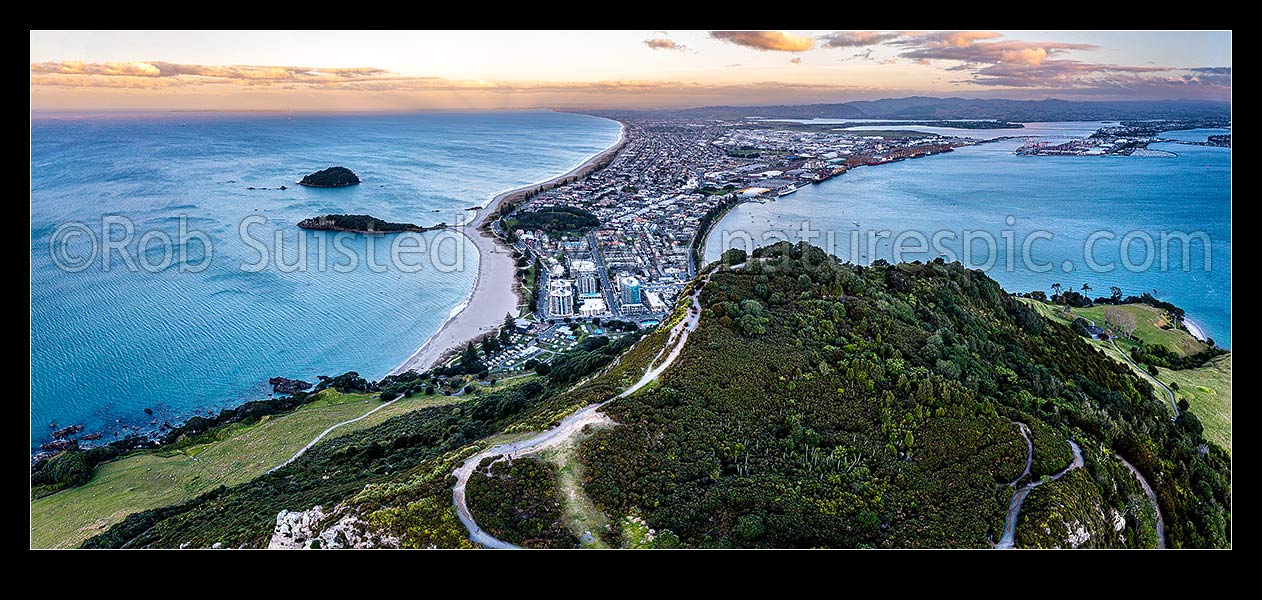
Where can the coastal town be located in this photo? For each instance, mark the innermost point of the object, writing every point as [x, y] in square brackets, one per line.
[1130, 138]
[645, 215]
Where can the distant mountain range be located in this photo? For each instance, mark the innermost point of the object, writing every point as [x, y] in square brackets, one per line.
[923, 107]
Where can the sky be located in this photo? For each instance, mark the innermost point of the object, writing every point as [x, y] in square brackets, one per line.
[416, 70]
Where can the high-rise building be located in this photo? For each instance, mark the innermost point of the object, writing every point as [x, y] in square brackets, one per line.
[585, 278]
[560, 297]
[630, 287]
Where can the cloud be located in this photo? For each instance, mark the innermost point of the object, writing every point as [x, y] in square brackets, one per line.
[1001, 52]
[797, 60]
[851, 39]
[1212, 70]
[664, 44]
[955, 39]
[766, 40]
[160, 69]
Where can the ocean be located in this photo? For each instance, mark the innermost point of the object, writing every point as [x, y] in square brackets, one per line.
[184, 334]
[1004, 201]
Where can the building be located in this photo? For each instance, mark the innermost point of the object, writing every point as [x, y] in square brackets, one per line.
[586, 279]
[592, 307]
[654, 300]
[630, 289]
[560, 297]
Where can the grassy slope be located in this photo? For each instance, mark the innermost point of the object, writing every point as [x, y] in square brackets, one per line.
[1208, 391]
[1212, 407]
[151, 480]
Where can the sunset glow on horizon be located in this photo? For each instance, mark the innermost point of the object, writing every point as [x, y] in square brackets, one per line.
[414, 70]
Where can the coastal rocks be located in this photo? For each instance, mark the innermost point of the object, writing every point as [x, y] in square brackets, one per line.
[92, 436]
[148, 411]
[331, 177]
[297, 530]
[59, 445]
[66, 432]
[284, 385]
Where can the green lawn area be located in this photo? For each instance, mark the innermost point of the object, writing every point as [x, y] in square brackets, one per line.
[241, 452]
[1148, 328]
[1208, 392]
[1207, 389]
[1148, 323]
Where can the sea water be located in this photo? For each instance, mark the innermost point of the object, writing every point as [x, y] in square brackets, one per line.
[105, 345]
[987, 189]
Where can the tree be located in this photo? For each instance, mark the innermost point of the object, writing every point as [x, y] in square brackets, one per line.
[1055, 290]
[1115, 293]
[543, 369]
[1085, 287]
[1152, 370]
[1174, 385]
[1121, 319]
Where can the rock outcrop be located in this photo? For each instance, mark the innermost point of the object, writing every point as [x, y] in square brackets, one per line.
[314, 529]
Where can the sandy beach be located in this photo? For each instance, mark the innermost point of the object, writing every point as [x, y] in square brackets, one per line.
[492, 295]
[1194, 328]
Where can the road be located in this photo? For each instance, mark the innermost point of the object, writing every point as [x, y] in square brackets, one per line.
[1152, 497]
[1008, 539]
[1029, 454]
[606, 288]
[1173, 405]
[569, 428]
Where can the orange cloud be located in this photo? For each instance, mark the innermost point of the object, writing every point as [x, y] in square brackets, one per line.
[955, 39]
[158, 69]
[766, 40]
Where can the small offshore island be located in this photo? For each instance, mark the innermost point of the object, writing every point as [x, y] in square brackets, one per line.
[362, 224]
[331, 177]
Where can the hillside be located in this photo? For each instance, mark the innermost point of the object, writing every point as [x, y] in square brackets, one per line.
[816, 404]
[829, 405]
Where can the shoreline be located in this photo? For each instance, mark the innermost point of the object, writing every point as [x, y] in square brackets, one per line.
[1194, 328]
[493, 293]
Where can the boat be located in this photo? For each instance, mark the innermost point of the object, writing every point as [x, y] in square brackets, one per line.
[789, 189]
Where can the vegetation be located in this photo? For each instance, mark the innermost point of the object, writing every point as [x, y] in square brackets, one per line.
[75, 466]
[875, 410]
[517, 502]
[1098, 506]
[1207, 391]
[816, 404]
[331, 177]
[229, 454]
[556, 220]
[361, 224]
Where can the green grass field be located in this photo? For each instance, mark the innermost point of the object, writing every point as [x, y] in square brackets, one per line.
[1207, 389]
[1208, 392]
[1149, 323]
[241, 452]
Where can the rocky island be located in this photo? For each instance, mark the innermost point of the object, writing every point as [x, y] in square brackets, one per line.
[331, 177]
[362, 224]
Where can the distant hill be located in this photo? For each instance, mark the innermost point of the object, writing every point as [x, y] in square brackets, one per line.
[924, 107]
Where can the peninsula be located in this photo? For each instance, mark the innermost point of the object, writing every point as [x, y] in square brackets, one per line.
[484, 308]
